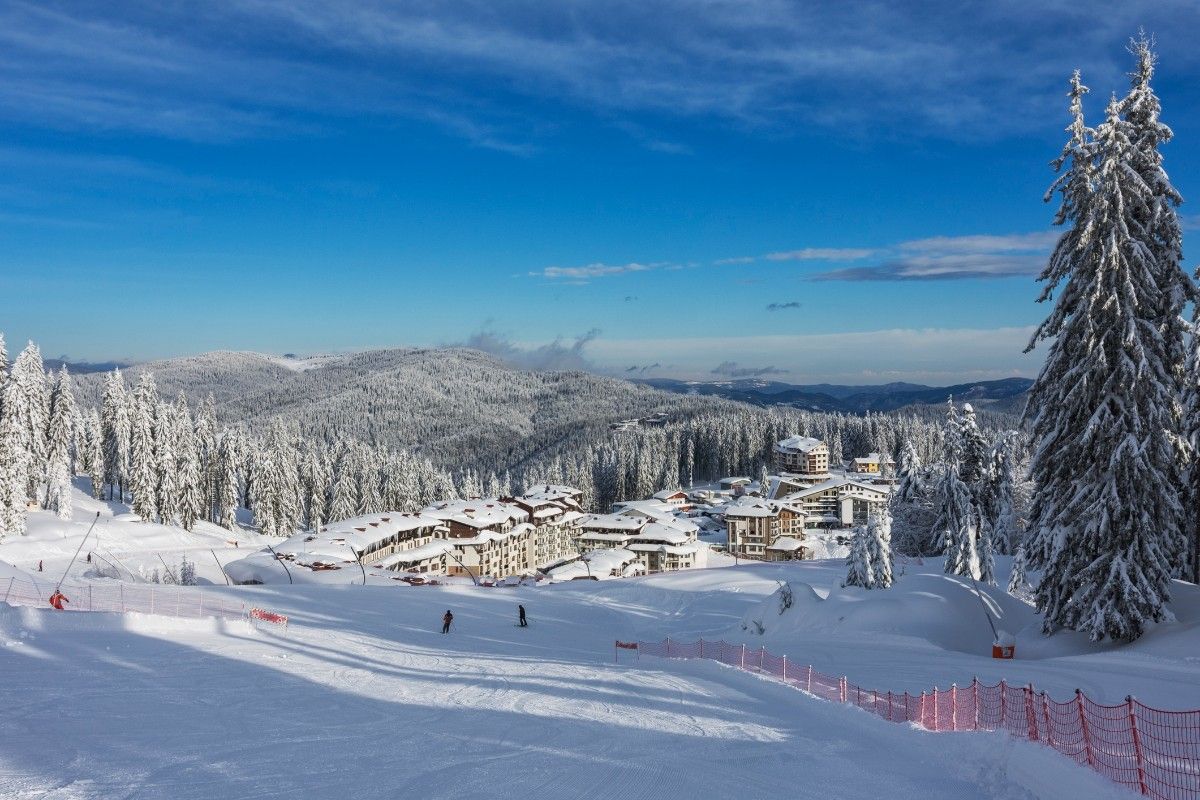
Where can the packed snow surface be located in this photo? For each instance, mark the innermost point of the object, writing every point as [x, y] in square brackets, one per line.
[361, 696]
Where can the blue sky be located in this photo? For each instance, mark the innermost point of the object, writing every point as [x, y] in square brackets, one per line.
[819, 191]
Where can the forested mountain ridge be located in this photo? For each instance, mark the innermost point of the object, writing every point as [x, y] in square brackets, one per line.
[442, 403]
[1004, 395]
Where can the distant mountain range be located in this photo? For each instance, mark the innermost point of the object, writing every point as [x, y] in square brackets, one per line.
[1005, 395]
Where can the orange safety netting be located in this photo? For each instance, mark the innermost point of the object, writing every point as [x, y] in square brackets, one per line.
[1153, 752]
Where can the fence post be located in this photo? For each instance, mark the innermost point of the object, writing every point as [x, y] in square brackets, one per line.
[1137, 745]
[954, 706]
[121, 588]
[935, 713]
[921, 712]
[808, 682]
[785, 669]
[762, 653]
[975, 699]
[842, 688]
[1030, 717]
[1003, 705]
[743, 656]
[1046, 719]
[889, 705]
[668, 647]
[702, 648]
[8, 591]
[1087, 737]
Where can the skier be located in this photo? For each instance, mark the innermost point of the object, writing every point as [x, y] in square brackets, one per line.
[521, 616]
[39, 566]
[446, 620]
[57, 599]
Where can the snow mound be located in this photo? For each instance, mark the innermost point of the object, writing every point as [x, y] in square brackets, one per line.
[943, 610]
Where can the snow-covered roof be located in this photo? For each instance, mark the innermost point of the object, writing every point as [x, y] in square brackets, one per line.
[757, 507]
[787, 544]
[675, 550]
[835, 483]
[874, 458]
[601, 536]
[657, 532]
[799, 444]
[615, 522]
[426, 551]
[336, 538]
[480, 514]
[667, 494]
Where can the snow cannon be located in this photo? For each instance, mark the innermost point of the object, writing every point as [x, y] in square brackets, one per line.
[1005, 645]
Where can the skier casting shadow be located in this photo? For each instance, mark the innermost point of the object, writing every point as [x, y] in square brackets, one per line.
[446, 620]
[521, 616]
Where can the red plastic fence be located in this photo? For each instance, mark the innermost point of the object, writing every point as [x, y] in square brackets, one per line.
[170, 601]
[1153, 752]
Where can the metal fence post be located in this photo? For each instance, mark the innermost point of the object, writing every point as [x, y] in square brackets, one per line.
[743, 656]
[935, 708]
[954, 706]
[1087, 737]
[1137, 745]
[785, 669]
[808, 682]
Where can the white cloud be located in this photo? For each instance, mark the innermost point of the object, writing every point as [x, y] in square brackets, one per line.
[955, 257]
[822, 254]
[589, 271]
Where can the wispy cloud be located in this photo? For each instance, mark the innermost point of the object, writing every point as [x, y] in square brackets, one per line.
[822, 254]
[736, 260]
[732, 369]
[791, 304]
[760, 64]
[955, 258]
[589, 271]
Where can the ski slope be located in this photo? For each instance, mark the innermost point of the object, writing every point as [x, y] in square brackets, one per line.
[361, 696]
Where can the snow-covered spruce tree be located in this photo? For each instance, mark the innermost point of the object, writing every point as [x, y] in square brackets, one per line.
[95, 445]
[343, 494]
[205, 432]
[956, 521]
[972, 449]
[14, 461]
[1018, 581]
[228, 481]
[187, 458]
[33, 417]
[166, 463]
[143, 475]
[1005, 524]
[116, 432]
[59, 435]
[1107, 510]
[858, 563]
[1161, 234]
[879, 548]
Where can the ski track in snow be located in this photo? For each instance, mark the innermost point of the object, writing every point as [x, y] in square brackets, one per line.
[362, 696]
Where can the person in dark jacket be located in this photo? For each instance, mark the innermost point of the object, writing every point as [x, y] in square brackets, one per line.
[521, 616]
[446, 620]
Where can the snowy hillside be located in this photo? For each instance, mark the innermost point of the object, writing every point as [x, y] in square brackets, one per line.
[361, 695]
[445, 403]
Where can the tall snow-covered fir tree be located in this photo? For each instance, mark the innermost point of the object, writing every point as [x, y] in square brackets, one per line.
[33, 418]
[94, 441]
[14, 461]
[956, 521]
[187, 459]
[858, 564]
[166, 462]
[879, 549]
[143, 473]
[228, 481]
[117, 430]
[59, 436]
[1106, 512]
